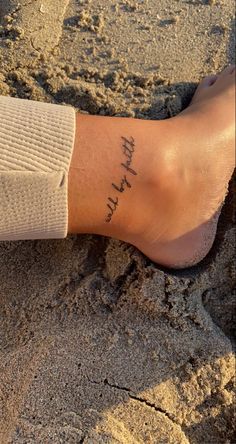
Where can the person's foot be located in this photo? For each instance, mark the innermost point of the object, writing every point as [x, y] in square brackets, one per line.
[205, 160]
[158, 185]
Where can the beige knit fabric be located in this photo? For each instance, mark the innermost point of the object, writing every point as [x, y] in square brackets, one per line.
[36, 145]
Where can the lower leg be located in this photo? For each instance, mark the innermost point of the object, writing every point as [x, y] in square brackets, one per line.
[114, 163]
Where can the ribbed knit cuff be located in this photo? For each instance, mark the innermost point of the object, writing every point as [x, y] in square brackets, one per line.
[36, 146]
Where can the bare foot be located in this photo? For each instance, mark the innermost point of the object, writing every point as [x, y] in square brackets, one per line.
[157, 185]
[205, 138]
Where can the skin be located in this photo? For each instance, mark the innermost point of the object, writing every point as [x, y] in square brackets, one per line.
[158, 185]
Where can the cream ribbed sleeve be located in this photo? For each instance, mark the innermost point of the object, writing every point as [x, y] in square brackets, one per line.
[36, 145]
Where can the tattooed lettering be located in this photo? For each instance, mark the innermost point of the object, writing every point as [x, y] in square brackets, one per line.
[128, 148]
[121, 188]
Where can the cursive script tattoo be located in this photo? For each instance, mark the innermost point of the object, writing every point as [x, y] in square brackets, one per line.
[121, 188]
[128, 149]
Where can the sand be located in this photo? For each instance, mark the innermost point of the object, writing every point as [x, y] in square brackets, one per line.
[97, 343]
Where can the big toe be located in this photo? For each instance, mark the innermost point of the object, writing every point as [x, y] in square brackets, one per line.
[211, 79]
[207, 81]
[227, 71]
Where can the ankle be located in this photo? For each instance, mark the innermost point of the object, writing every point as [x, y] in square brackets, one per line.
[103, 170]
[156, 185]
[118, 165]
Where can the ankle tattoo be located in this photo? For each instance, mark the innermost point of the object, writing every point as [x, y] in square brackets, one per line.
[128, 149]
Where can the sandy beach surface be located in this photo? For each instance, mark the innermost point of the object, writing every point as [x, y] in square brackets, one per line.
[98, 345]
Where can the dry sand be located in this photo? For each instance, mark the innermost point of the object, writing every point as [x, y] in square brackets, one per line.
[98, 344]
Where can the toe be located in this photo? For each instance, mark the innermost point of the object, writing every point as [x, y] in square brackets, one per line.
[208, 81]
[227, 71]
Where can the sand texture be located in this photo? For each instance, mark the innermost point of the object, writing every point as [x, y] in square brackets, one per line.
[97, 344]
